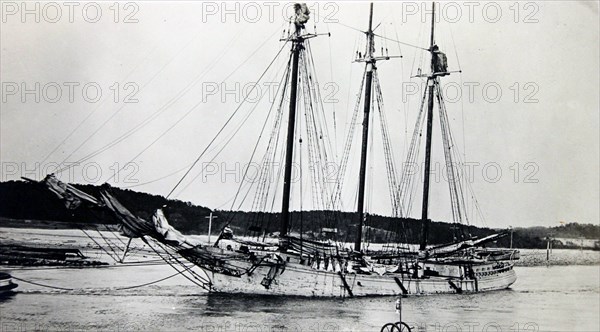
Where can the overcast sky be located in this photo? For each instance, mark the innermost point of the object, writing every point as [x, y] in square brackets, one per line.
[527, 105]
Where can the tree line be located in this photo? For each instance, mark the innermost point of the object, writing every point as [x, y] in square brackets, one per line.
[31, 201]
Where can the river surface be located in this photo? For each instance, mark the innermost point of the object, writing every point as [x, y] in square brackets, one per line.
[559, 298]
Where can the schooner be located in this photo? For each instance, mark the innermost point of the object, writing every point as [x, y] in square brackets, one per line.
[299, 266]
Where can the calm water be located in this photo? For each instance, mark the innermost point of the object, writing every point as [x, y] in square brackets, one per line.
[543, 299]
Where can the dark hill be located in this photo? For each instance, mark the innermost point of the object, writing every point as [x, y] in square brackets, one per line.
[31, 201]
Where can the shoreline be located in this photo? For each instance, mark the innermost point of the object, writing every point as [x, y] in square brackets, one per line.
[74, 238]
[558, 257]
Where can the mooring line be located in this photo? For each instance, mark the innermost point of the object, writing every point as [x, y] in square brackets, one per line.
[42, 285]
[102, 289]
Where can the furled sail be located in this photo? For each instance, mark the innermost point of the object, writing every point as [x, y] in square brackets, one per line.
[302, 13]
[169, 234]
[453, 247]
[71, 196]
[308, 246]
[231, 262]
[440, 62]
[131, 225]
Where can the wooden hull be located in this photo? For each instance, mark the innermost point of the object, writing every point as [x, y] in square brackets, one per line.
[301, 280]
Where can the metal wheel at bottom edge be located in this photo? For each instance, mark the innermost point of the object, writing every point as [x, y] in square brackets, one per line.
[395, 327]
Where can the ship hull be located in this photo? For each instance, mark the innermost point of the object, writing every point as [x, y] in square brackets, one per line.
[6, 283]
[301, 280]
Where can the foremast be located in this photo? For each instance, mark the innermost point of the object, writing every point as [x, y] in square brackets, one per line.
[297, 46]
[297, 38]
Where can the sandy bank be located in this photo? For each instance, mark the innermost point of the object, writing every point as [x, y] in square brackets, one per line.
[537, 257]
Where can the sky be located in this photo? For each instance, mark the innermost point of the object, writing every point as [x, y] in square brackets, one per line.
[162, 79]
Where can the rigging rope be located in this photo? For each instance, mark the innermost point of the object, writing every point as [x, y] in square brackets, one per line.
[201, 282]
[100, 246]
[226, 123]
[116, 174]
[161, 110]
[143, 86]
[139, 63]
[316, 130]
[331, 77]
[321, 128]
[403, 43]
[387, 149]
[228, 140]
[457, 156]
[348, 145]
[450, 170]
[266, 161]
[406, 181]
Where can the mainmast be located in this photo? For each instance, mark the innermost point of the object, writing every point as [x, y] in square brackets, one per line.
[297, 46]
[370, 60]
[370, 67]
[431, 83]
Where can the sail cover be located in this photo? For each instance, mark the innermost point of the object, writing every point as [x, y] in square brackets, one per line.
[132, 226]
[169, 234]
[302, 13]
[71, 196]
[453, 247]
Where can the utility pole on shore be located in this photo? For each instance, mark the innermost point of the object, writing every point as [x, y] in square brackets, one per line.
[549, 239]
[210, 219]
